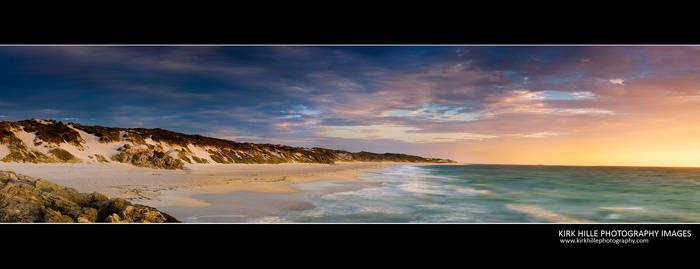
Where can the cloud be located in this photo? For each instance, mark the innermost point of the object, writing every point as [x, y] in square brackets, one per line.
[434, 112]
[401, 133]
[617, 81]
[559, 95]
[49, 111]
[535, 135]
[526, 101]
[574, 111]
[352, 96]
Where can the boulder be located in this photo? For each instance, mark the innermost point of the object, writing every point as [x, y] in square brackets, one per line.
[151, 157]
[121, 157]
[23, 199]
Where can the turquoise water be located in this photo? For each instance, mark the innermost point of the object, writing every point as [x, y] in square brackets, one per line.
[503, 193]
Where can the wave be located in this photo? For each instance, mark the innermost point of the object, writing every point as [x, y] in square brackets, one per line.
[634, 208]
[369, 193]
[421, 187]
[216, 216]
[271, 219]
[613, 216]
[541, 213]
[375, 210]
[412, 171]
[474, 191]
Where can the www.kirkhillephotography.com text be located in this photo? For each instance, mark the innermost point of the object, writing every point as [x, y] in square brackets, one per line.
[565, 145]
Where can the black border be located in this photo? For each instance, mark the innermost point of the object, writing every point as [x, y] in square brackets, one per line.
[373, 238]
[356, 241]
[359, 25]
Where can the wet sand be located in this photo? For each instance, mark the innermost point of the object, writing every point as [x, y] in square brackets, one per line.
[243, 207]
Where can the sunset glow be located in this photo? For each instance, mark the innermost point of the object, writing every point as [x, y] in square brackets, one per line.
[561, 105]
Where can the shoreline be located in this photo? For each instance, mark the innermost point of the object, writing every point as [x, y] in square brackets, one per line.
[272, 180]
[176, 188]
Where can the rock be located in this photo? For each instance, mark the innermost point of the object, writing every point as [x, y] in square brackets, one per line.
[96, 197]
[88, 214]
[150, 156]
[55, 216]
[114, 218]
[109, 207]
[6, 175]
[172, 163]
[23, 199]
[70, 194]
[120, 210]
[142, 213]
[121, 157]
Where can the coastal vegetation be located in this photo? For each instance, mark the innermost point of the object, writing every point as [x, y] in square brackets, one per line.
[101, 158]
[158, 148]
[64, 156]
[52, 132]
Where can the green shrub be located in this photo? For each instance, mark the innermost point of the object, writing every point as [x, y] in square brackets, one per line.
[64, 156]
[198, 160]
[218, 158]
[183, 156]
[101, 158]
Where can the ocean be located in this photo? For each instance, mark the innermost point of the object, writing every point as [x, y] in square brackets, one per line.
[474, 194]
[511, 193]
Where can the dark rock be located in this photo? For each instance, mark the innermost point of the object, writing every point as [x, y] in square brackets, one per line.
[150, 156]
[23, 199]
[121, 157]
[96, 197]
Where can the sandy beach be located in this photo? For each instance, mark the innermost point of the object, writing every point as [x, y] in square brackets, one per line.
[175, 188]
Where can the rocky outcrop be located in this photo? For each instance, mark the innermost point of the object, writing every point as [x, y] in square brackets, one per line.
[24, 199]
[147, 156]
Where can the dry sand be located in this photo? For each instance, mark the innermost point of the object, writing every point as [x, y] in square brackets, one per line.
[175, 188]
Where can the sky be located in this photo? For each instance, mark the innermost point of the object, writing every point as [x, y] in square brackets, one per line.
[559, 105]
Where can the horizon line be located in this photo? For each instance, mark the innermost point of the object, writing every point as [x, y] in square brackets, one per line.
[579, 165]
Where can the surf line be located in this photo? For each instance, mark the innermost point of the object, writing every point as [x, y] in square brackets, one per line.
[544, 214]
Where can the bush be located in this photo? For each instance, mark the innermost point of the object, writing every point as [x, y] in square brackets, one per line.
[64, 156]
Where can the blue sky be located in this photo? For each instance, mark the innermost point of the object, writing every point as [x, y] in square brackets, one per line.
[425, 100]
